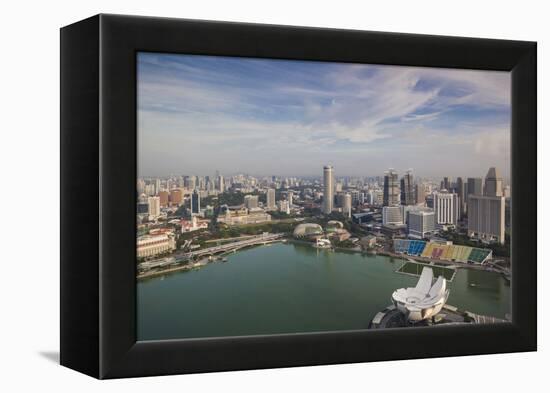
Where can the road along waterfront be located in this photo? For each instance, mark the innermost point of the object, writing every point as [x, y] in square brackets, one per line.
[288, 288]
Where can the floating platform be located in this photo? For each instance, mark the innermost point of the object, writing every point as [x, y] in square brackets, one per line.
[414, 268]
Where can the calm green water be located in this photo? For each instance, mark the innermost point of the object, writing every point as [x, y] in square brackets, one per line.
[289, 288]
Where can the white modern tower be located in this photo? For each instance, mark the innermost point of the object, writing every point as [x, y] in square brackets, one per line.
[328, 192]
[346, 209]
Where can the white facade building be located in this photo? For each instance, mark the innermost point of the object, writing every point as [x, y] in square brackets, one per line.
[392, 215]
[270, 199]
[446, 208]
[154, 207]
[251, 201]
[346, 206]
[376, 197]
[244, 216]
[284, 206]
[421, 223]
[149, 246]
[486, 217]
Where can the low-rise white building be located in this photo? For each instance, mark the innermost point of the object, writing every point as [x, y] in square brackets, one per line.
[152, 245]
[193, 225]
[244, 216]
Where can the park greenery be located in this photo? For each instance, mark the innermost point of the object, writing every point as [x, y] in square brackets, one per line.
[499, 250]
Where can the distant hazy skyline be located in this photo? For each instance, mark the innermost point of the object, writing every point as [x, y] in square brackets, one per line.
[199, 114]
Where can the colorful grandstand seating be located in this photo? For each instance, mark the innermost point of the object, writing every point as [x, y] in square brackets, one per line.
[478, 255]
[416, 247]
[428, 250]
[449, 252]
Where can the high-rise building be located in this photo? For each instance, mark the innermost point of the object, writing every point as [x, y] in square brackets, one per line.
[475, 186]
[429, 200]
[420, 193]
[340, 199]
[328, 191]
[164, 197]
[346, 208]
[140, 186]
[493, 183]
[357, 197]
[392, 215]
[376, 197]
[446, 183]
[154, 206]
[143, 208]
[391, 188]
[290, 196]
[251, 201]
[486, 217]
[220, 183]
[270, 199]
[201, 183]
[445, 205]
[421, 223]
[461, 192]
[284, 207]
[195, 202]
[176, 196]
[407, 189]
[143, 199]
[150, 190]
[191, 183]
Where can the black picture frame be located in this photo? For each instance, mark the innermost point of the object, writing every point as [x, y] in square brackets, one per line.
[98, 182]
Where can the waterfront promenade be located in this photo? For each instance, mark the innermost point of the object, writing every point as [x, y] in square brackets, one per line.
[177, 262]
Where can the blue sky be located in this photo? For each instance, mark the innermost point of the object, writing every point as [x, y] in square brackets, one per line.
[197, 114]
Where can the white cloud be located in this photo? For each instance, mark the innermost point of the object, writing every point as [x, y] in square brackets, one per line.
[354, 110]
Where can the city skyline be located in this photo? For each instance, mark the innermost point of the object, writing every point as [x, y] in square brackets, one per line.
[291, 117]
[319, 176]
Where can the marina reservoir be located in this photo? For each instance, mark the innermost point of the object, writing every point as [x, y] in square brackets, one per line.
[283, 288]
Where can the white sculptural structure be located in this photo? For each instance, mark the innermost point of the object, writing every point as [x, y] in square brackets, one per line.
[423, 301]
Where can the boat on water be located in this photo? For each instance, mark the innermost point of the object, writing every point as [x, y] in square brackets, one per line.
[322, 243]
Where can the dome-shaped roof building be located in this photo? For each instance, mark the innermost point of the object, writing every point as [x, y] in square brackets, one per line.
[333, 226]
[308, 230]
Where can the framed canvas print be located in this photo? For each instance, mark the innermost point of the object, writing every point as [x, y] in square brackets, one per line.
[238, 196]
